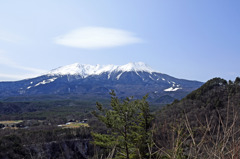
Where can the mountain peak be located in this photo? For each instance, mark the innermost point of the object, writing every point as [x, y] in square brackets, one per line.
[136, 66]
[86, 70]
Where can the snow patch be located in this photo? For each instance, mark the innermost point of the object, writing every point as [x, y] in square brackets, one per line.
[171, 89]
[138, 74]
[46, 81]
[109, 75]
[118, 76]
[151, 77]
[29, 87]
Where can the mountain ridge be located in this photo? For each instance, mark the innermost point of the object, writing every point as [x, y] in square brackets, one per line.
[86, 70]
[132, 79]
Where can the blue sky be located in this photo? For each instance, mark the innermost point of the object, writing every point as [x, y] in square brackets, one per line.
[188, 39]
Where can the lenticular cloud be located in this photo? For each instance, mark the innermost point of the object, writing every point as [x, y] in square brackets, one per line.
[96, 37]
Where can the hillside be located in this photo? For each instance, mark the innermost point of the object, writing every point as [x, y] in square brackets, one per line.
[215, 95]
[206, 121]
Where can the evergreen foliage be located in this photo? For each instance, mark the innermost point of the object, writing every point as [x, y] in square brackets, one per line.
[128, 124]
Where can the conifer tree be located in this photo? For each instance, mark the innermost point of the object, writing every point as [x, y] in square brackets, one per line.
[128, 124]
[144, 124]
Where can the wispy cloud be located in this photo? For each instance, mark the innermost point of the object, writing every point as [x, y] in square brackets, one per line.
[31, 72]
[97, 37]
[7, 62]
[10, 77]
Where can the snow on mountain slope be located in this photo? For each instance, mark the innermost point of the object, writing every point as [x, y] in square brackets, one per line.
[137, 67]
[86, 70]
[94, 81]
[171, 89]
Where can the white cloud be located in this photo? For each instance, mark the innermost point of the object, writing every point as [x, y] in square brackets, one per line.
[96, 37]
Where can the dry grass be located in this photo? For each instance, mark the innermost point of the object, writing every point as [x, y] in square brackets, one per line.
[11, 122]
[75, 125]
[213, 141]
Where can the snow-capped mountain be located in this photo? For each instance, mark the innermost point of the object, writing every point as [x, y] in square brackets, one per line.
[86, 70]
[132, 79]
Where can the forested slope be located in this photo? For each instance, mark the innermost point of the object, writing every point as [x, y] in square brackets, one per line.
[204, 124]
